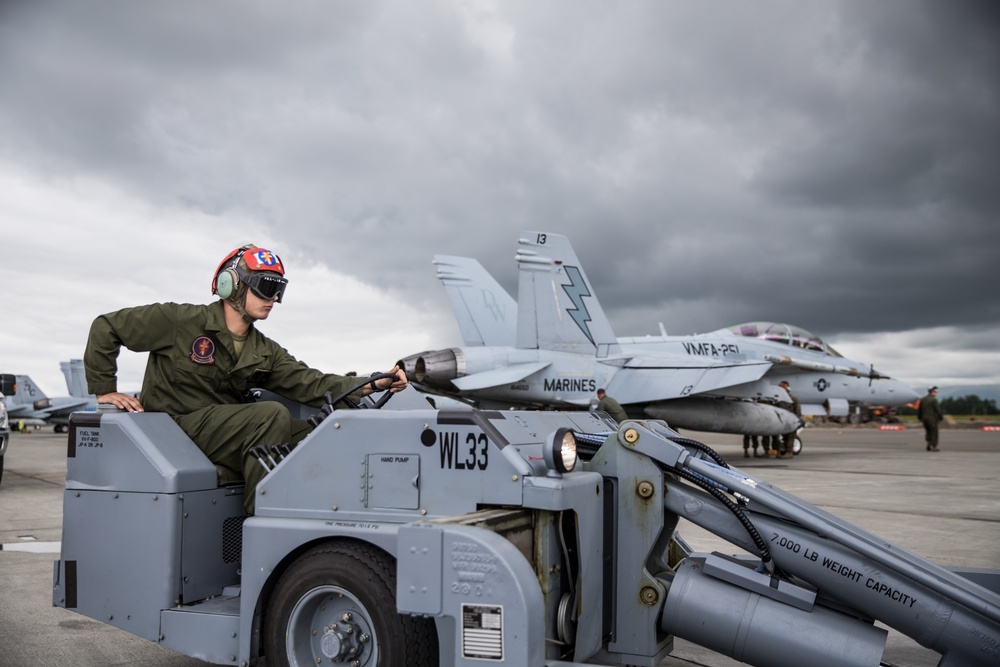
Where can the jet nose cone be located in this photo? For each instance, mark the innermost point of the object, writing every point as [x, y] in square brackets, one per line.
[906, 392]
[889, 391]
[895, 392]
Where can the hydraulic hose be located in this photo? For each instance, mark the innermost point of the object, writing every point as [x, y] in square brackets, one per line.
[716, 492]
[701, 447]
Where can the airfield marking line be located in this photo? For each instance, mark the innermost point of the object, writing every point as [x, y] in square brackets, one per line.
[54, 479]
[33, 547]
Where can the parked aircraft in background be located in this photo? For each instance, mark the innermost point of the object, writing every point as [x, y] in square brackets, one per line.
[7, 383]
[29, 407]
[76, 379]
[825, 382]
[559, 349]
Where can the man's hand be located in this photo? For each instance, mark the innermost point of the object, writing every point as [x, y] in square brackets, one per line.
[121, 401]
[394, 385]
[400, 383]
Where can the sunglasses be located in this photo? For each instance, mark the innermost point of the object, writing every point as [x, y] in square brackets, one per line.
[268, 286]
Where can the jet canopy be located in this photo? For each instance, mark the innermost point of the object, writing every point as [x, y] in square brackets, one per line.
[787, 334]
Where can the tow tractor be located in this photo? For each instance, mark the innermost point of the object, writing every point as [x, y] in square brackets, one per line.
[468, 538]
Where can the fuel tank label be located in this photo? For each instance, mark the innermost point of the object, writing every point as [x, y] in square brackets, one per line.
[482, 632]
[89, 438]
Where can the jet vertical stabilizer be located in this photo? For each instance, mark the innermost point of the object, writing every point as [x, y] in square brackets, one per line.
[76, 377]
[485, 313]
[557, 309]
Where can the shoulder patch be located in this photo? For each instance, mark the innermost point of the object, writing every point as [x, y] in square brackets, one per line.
[203, 350]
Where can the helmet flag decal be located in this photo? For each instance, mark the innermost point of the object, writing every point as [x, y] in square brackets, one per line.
[259, 259]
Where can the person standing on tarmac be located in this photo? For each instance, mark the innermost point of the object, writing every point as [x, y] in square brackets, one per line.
[754, 441]
[929, 414]
[787, 440]
[205, 359]
[611, 406]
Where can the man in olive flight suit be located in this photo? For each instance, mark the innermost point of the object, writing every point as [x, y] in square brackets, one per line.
[786, 441]
[607, 404]
[205, 359]
[930, 415]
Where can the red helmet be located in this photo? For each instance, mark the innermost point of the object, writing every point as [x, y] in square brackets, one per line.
[259, 269]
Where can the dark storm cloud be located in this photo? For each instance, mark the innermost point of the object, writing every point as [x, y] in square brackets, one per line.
[909, 157]
[918, 129]
[827, 164]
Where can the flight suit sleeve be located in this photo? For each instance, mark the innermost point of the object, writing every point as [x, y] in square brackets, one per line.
[139, 329]
[293, 379]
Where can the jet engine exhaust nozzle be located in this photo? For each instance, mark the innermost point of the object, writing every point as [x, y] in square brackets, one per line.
[435, 368]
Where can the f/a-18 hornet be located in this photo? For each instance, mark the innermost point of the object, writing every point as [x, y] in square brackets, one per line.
[554, 348]
[29, 407]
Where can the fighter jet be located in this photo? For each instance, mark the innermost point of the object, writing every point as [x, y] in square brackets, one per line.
[559, 348]
[826, 382]
[564, 350]
[29, 407]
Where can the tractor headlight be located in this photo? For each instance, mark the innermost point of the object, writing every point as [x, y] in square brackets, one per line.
[560, 451]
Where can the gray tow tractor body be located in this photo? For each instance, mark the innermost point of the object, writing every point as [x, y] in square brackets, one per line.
[466, 537]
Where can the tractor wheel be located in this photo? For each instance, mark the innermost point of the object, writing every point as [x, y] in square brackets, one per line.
[337, 604]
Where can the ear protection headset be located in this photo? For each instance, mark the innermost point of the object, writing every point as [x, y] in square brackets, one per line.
[227, 278]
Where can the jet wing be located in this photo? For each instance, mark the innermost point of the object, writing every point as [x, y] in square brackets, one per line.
[63, 408]
[60, 409]
[22, 411]
[499, 376]
[642, 380]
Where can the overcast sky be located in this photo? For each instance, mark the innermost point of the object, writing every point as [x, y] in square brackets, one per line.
[834, 165]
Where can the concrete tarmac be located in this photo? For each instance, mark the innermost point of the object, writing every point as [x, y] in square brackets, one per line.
[944, 506]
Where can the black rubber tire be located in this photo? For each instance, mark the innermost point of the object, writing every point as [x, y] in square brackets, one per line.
[796, 445]
[1, 468]
[323, 584]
